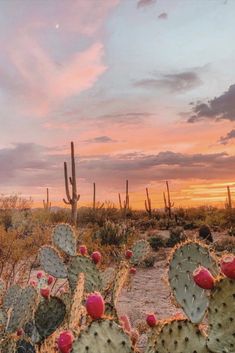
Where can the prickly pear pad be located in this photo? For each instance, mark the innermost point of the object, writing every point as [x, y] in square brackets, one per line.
[11, 296]
[83, 264]
[76, 307]
[52, 263]
[185, 259]
[64, 239]
[24, 346]
[103, 336]
[178, 336]
[23, 309]
[49, 316]
[120, 280]
[221, 317]
[141, 250]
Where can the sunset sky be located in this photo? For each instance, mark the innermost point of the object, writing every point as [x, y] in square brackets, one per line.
[144, 88]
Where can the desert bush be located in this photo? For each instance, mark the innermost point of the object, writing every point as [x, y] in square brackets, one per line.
[149, 261]
[114, 234]
[156, 242]
[205, 233]
[226, 243]
[176, 236]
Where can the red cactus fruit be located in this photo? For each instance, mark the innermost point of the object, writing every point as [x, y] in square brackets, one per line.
[39, 275]
[50, 280]
[203, 278]
[128, 254]
[125, 322]
[133, 270]
[95, 305]
[33, 283]
[65, 342]
[227, 265]
[45, 292]
[83, 250]
[96, 257]
[20, 332]
[151, 320]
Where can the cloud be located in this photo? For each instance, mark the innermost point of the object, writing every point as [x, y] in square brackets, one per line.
[37, 166]
[100, 139]
[226, 139]
[143, 3]
[163, 16]
[219, 108]
[39, 84]
[172, 82]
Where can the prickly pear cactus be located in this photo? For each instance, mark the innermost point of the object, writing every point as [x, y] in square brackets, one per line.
[83, 264]
[76, 310]
[64, 239]
[103, 336]
[3, 318]
[2, 287]
[31, 331]
[108, 277]
[52, 263]
[8, 345]
[185, 259]
[221, 317]
[22, 309]
[11, 296]
[23, 346]
[141, 250]
[49, 316]
[178, 336]
[120, 280]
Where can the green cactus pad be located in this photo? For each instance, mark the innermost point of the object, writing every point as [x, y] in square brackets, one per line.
[11, 296]
[76, 306]
[23, 346]
[141, 250]
[108, 277]
[103, 336]
[49, 316]
[185, 259]
[83, 264]
[8, 345]
[64, 239]
[23, 309]
[52, 263]
[120, 280]
[3, 318]
[31, 331]
[178, 336]
[221, 317]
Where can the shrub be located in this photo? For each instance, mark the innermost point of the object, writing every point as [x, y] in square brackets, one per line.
[176, 236]
[156, 242]
[205, 233]
[113, 234]
[149, 261]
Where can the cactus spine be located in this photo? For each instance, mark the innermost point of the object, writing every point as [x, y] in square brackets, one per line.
[47, 203]
[71, 200]
[148, 203]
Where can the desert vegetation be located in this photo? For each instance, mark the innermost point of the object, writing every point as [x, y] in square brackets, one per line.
[102, 278]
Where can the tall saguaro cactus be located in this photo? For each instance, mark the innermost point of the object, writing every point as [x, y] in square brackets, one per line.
[47, 203]
[148, 204]
[126, 203]
[167, 201]
[229, 199]
[71, 200]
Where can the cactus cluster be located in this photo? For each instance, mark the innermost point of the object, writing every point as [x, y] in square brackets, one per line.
[84, 319]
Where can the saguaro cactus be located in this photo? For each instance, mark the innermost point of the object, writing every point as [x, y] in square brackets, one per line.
[96, 205]
[47, 203]
[228, 204]
[148, 204]
[126, 203]
[167, 201]
[71, 200]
